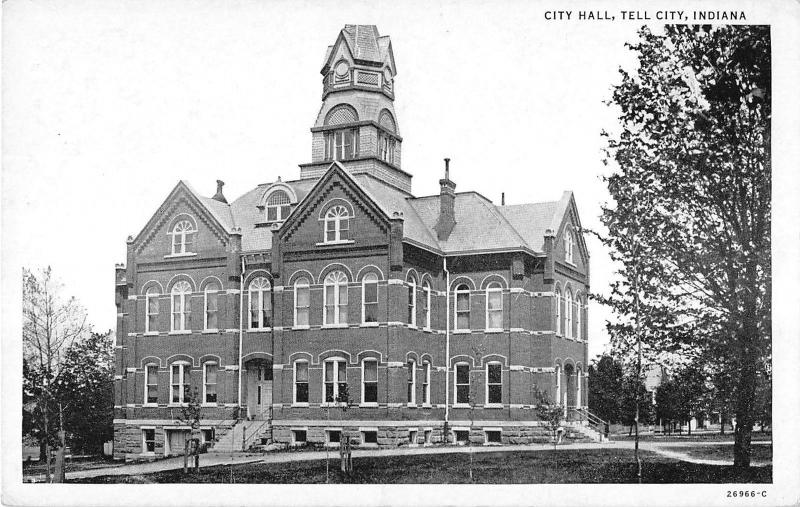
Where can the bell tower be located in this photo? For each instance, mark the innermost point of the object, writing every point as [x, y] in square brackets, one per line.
[356, 124]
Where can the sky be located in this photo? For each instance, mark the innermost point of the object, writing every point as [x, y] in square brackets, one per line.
[109, 104]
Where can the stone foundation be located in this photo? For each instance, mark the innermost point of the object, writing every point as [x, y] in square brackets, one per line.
[128, 443]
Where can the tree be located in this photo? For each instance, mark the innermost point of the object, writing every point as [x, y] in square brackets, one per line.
[549, 412]
[86, 389]
[605, 386]
[50, 325]
[635, 402]
[690, 215]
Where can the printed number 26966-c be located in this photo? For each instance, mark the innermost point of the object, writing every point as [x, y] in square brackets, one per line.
[746, 494]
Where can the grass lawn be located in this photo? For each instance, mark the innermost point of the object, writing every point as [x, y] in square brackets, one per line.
[71, 464]
[685, 437]
[564, 466]
[759, 452]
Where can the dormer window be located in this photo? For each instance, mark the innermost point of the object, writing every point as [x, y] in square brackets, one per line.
[278, 206]
[182, 237]
[337, 224]
[341, 144]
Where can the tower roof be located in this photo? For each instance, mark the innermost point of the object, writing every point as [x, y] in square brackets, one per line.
[365, 44]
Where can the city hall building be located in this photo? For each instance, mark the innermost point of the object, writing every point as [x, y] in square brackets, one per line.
[432, 318]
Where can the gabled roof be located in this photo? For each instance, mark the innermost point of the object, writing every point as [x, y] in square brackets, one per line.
[480, 226]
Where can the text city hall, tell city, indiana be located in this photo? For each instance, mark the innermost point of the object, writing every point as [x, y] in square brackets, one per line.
[440, 317]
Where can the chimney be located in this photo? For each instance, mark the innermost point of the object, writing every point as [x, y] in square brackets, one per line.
[447, 200]
[218, 196]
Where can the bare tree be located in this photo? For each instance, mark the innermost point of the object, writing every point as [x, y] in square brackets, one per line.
[51, 323]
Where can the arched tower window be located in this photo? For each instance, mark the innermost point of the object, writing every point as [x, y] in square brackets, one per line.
[260, 309]
[181, 293]
[335, 309]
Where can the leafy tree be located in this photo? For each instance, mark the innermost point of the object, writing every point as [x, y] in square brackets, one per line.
[605, 386]
[86, 389]
[631, 392]
[51, 323]
[690, 216]
[550, 412]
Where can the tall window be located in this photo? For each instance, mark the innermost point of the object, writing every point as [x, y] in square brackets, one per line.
[210, 382]
[212, 306]
[568, 314]
[151, 384]
[369, 381]
[578, 315]
[335, 379]
[260, 309]
[427, 304]
[341, 144]
[369, 294]
[335, 298]
[578, 380]
[302, 301]
[182, 237]
[412, 302]
[558, 311]
[411, 367]
[568, 245]
[151, 305]
[278, 206]
[301, 382]
[462, 383]
[558, 384]
[426, 383]
[386, 145]
[337, 224]
[494, 306]
[181, 293]
[462, 307]
[494, 383]
[179, 380]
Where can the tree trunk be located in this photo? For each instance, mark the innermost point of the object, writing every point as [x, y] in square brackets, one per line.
[721, 425]
[746, 389]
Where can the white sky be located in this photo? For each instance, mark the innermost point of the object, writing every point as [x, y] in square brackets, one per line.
[109, 104]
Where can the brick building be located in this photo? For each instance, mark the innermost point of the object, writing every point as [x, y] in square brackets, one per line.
[426, 312]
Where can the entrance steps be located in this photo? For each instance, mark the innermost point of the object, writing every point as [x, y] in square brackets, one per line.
[243, 435]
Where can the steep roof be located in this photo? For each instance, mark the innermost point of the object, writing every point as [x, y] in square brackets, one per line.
[364, 43]
[481, 226]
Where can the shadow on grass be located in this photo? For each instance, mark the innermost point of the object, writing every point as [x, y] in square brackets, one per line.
[565, 466]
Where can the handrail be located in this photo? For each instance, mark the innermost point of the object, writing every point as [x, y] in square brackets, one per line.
[253, 430]
[593, 420]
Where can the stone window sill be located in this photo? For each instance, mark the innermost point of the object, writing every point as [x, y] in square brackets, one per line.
[334, 243]
[179, 255]
[370, 324]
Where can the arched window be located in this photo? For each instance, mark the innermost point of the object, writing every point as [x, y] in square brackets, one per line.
[212, 306]
[179, 382]
[462, 308]
[426, 383]
[301, 381]
[494, 383]
[341, 114]
[568, 314]
[578, 315]
[461, 384]
[558, 384]
[210, 382]
[151, 384]
[494, 306]
[369, 298]
[181, 293]
[260, 309]
[558, 311]
[427, 302]
[412, 382]
[569, 243]
[151, 309]
[335, 376]
[337, 224]
[335, 309]
[182, 237]
[369, 381]
[302, 302]
[412, 302]
[578, 381]
[278, 206]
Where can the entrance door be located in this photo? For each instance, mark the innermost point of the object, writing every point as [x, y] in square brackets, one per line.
[259, 390]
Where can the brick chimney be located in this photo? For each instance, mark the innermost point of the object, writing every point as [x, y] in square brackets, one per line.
[218, 196]
[447, 200]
